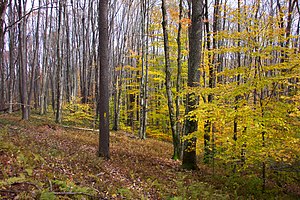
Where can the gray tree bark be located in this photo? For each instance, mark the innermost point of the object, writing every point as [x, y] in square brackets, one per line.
[104, 80]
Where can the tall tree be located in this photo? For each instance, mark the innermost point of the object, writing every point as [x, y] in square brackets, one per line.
[176, 143]
[12, 46]
[45, 65]
[144, 75]
[22, 63]
[178, 80]
[195, 50]
[104, 80]
[3, 6]
[59, 89]
[34, 63]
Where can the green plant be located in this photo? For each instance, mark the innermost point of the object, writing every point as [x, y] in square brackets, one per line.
[125, 193]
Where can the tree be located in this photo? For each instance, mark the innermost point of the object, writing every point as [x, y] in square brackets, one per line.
[144, 73]
[178, 80]
[104, 80]
[22, 64]
[12, 37]
[3, 6]
[45, 66]
[59, 71]
[34, 63]
[176, 142]
[195, 48]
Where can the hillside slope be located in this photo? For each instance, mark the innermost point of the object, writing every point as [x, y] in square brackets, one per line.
[41, 160]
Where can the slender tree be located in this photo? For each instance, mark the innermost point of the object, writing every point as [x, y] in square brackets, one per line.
[3, 6]
[12, 46]
[104, 80]
[59, 89]
[176, 143]
[144, 72]
[34, 60]
[178, 80]
[22, 64]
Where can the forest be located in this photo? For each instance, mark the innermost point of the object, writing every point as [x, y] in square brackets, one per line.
[149, 99]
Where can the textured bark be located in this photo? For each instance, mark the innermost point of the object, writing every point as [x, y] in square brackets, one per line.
[104, 80]
[195, 43]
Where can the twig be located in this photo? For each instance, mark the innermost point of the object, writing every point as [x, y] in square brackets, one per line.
[28, 183]
[79, 128]
[8, 191]
[50, 185]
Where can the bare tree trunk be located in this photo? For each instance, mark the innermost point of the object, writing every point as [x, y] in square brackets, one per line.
[3, 6]
[144, 75]
[104, 80]
[11, 59]
[22, 65]
[84, 90]
[59, 89]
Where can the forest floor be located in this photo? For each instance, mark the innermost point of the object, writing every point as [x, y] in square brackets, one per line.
[43, 160]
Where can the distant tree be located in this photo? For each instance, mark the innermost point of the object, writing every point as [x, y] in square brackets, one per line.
[195, 45]
[12, 46]
[3, 6]
[34, 62]
[145, 68]
[46, 57]
[104, 80]
[22, 62]
[59, 86]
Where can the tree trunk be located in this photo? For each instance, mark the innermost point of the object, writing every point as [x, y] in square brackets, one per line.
[176, 143]
[104, 80]
[178, 80]
[45, 67]
[195, 43]
[11, 59]
[68, 55]
[3, 6]
[22, 65]
[34, 60]
[59, 89]
[144, 75]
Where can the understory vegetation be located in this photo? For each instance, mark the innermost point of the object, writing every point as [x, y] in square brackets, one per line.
[43, 160]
